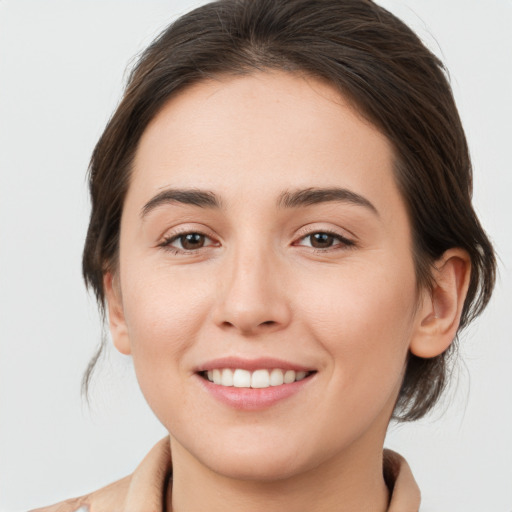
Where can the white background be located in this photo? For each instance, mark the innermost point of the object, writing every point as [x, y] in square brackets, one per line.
[62, 66]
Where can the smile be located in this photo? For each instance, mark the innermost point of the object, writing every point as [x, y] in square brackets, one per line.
[254, 384]
[257, 379]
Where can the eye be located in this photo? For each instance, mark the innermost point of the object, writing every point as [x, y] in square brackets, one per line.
[187, 242]
[324, 240]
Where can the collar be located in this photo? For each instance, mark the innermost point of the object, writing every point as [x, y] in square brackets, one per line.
[146, 489]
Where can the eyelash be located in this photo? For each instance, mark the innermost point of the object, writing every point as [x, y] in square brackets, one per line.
[168, 240]
[342, 241]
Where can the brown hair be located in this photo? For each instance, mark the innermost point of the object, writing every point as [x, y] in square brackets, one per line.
[374, 60]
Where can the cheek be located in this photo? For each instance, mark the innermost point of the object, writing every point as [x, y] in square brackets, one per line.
[164, 312]
[364, 319]
[362, 296]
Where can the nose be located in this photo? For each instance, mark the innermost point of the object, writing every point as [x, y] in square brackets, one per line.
[252, 298]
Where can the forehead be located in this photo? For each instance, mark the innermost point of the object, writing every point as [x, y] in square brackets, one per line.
[262, 133]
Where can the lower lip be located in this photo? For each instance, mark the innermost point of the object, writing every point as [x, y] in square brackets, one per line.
[253, 399]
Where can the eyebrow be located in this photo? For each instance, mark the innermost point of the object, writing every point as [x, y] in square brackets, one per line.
[194, 197]
[311, 196]
[288, 199]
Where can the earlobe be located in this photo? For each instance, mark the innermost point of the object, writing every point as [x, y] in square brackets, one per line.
[116, 319]
[441, 308]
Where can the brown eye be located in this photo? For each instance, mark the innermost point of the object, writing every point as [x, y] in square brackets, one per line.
[192, 241]
[187, 242]
[325, 240]
[321, 240]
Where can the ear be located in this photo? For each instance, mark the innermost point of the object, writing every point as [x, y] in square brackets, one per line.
[441, 308]
[116, 320]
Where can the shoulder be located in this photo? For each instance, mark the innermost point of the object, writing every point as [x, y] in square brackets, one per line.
[144, 489]
[110, 498]
[405, 493]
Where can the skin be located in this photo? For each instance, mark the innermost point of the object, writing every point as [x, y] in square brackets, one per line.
[351, 311]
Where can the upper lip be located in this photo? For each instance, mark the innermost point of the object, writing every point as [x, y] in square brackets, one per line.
[261, 363]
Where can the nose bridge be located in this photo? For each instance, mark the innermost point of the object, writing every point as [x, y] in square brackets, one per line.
[252, 298]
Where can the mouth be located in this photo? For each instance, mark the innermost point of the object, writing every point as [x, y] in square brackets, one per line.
[253, 384]
[257, 379]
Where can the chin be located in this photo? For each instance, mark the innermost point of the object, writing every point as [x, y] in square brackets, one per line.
[263, 467]
[258, 457]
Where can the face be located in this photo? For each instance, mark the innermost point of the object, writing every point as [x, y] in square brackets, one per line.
[264, 243]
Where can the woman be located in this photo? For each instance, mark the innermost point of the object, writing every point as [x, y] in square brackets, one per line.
[282, 234]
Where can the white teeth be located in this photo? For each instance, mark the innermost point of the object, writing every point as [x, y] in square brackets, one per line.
[276, 377]
[258, 379]
[242, 379]
[227, 377]
[289, 377]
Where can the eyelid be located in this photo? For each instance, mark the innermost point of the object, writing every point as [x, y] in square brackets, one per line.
[311, 230]
[325, 227]
[174, 234]
[186, 228]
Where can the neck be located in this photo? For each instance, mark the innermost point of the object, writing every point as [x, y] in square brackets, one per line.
[352, 481]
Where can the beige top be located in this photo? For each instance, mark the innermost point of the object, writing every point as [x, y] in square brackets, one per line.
[146, 489]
